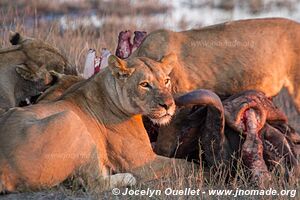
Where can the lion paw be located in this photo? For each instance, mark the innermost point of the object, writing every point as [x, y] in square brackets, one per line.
[128, 179]
[122, 180]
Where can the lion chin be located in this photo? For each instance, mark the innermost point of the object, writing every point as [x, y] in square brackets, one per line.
[164, 120]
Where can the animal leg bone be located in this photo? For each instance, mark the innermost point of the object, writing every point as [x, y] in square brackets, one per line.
[252, 150]
[105, 53]
[88, 70]
[139, 37]
[124, 44]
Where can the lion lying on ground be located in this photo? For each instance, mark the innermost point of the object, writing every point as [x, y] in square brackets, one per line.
[93, 129]
[257, 54]
[24, 69]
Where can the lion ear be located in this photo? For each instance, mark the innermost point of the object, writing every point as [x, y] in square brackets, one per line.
[56, 74]
[29, 73]
[119, 67]
[168, 62]
[15, 38]
[34, 75]
[25, 72]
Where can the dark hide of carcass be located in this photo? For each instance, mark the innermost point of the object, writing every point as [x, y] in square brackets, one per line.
[246, 125]
[268, 141]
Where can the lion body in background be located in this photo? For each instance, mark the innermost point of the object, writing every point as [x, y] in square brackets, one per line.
[24, 69]
[255, 54]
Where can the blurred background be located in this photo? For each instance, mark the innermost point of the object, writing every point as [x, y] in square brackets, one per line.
[74, 26]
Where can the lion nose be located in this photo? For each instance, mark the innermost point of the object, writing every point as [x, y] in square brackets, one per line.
[166, 105]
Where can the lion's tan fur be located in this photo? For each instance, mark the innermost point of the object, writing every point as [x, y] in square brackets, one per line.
[61, 83]
[32, 50]
[258, 54]
[94, 128]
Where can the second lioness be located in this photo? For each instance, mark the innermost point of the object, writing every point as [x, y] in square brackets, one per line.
[24, 69]
[258, 54]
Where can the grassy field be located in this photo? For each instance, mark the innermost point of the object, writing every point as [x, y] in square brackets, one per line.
[30, 17]
[206, 184]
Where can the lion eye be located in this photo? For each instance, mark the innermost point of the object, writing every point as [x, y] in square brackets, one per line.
[145, 84]
[167, 81]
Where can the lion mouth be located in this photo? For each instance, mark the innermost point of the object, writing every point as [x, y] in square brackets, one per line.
[161, 119]
[30, 100]
[161, 116]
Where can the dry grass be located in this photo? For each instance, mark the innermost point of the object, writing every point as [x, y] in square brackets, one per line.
[197, 178]
[74, 44]
[24, 17]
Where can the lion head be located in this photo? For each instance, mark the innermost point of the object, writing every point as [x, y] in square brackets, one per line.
[24, 69]
[149, 91]
[39, 52]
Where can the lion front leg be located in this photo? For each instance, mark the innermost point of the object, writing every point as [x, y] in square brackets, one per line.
[162, 167]
[97, 177]
[119, 180]
[292, 85]
[106, 183]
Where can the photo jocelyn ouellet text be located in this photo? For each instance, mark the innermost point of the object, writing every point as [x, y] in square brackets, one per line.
[197, 192]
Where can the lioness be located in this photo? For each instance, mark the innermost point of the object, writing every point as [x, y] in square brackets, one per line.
[24, 69]
[94, 128]
[227, 58]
